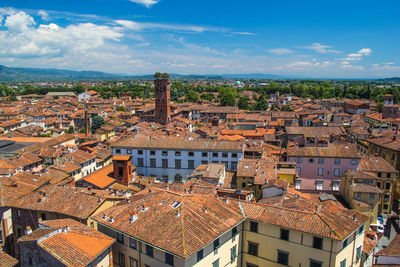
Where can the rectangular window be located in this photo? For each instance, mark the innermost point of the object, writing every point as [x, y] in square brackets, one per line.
[118, 151]
[361, 230]
[133, 262]
[371, 196]
[191, 154]
[284, 234]
[128, 151]
[140, 162]
[233, 165]
[199, 255]
[121, 259]
[253, 227]
[152, 152]
[314, 263]
[234, 231]
[345, 243]
[177, 153]
[216, 263]
[321, 160]
[252, 248]
[359, 253]
[335, 185]
[337, 161]
[283, 257]
[140, 152]
[204, 162]
[204, 154]
[169, 259]
[320, 171]
[319, 185]
[233, 253]
[311, 160]
[386, 198]
[132, 243]
[224, 154]
[343, 263]
[298, 160]
[298, 184]
[165, 153]
[336, 171]
[234, 155]
[215, 154]
[317, 242]
[191, 164]
[387, 186]
[153, 163]
[216, 244]
[298, 170]
[165, 163]
[177, 164]
[354, 162]
[120, 238]
[149, 251]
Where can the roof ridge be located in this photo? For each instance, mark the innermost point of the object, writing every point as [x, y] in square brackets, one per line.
[283, 208]
[182, 230]
[322, 219]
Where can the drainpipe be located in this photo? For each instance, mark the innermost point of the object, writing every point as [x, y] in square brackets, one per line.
[354, 246]
[330, 253]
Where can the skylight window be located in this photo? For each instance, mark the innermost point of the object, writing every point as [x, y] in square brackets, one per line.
[175, 204]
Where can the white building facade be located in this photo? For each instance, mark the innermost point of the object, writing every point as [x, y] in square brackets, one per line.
[175, 161]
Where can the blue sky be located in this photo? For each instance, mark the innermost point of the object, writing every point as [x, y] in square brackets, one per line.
[344, 39]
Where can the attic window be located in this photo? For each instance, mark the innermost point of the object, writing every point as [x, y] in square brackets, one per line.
[175, 204]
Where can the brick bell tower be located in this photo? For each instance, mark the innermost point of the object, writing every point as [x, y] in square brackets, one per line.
[163, 110]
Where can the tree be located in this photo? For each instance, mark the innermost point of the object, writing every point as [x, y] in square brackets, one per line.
[207, 96]
[261, 104]
[379, 106]
[159, 75]
[97, 123]
[70, 130]
[120, 108]
[227, 97]
[192, 96]
[244, 103]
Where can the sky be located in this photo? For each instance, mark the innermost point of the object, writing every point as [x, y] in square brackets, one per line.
[310, 38]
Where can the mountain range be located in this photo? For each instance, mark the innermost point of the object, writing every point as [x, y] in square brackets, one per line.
[11, 74]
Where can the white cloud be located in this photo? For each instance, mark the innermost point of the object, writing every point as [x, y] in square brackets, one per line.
[358, 56]
[147, 3]
[365, 51]
[308, 65]
[44, 15]
[131, 25]
[19, 22]
[347, 65]
[390, 66]
[23, 39]
[323, 49]
[243, 33]
[143, 44]
[138, 26]
[280, 51]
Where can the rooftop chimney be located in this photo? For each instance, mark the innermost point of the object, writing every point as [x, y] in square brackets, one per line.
[133, 216]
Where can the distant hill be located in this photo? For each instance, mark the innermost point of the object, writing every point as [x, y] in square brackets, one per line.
[8, 74]
[393, 79]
